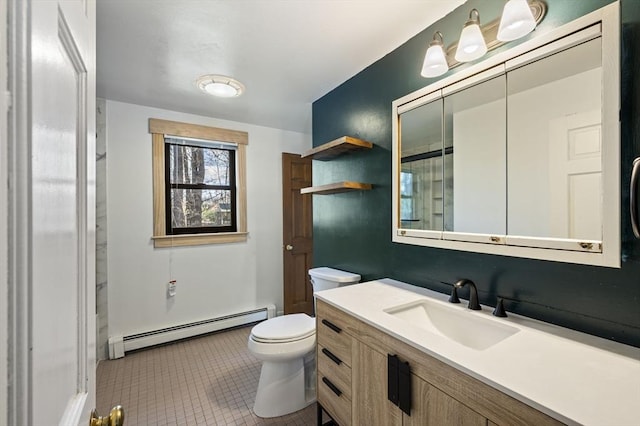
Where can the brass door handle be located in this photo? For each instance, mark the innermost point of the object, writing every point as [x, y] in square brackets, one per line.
[288, 247]
[115, 417]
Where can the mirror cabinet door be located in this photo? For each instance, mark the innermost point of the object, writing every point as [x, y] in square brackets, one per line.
[518, 155]
[554, 110]
[475, 159]
[421, 193]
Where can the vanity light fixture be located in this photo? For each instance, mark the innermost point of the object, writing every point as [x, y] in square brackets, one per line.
[220, 85]
[435, 61]
[471, 45]
[517, 20]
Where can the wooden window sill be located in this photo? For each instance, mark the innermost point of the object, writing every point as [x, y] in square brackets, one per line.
[163, 241]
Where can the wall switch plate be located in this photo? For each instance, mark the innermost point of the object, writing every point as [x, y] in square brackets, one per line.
[171, 289]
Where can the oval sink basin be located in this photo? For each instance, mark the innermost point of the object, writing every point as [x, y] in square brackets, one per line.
[465, 327]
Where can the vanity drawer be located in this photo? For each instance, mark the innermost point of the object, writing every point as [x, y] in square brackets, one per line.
[332, 332]
[334, 400]
[338, 373]
[338, 343]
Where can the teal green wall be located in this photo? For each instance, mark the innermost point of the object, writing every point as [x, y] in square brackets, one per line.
[352, 231]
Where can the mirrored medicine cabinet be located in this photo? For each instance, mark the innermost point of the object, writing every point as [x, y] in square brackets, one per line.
[518, 155]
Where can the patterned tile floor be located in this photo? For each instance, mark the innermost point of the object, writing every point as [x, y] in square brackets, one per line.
[210, 380]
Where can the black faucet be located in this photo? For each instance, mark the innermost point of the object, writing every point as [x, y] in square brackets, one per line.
[473, 293]
[499, 310]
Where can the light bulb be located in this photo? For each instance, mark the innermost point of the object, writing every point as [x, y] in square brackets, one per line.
[221, 89]
[517, 20]
[471, 45]
[435, 60]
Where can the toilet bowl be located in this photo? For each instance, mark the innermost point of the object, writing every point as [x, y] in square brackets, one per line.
[286, 347]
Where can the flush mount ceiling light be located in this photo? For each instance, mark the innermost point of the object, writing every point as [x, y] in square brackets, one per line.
[517, 20]
[220, 85]
[435, 61]
[471, 45]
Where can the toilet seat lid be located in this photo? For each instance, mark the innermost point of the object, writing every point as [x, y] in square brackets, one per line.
[286, 328]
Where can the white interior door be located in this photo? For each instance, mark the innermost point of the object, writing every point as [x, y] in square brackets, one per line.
[54, 361]
[576, 173]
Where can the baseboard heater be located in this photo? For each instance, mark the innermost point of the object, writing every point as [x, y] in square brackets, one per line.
[118, 345]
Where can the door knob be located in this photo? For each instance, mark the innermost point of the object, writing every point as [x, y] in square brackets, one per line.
[289, 247]
[115, 417]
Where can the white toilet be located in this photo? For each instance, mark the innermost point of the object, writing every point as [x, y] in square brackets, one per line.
[286, 347]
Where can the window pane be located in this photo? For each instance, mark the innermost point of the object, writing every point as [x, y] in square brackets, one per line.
[421, 194]
[194, 208]
[197, 165]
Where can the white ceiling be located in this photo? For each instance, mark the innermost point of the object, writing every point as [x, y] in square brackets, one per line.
[288, 53]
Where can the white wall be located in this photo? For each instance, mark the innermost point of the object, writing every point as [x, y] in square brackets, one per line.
[211, 280]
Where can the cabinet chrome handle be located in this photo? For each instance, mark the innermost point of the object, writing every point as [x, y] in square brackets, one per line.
[331, 356]
[633, 205]
[332, 326]
[331, 386]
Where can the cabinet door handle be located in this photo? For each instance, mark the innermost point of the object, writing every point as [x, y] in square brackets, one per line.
[331, 386]
[332, 326]
[392, 378]
[331, 356]
[633, 205]
[404, 387]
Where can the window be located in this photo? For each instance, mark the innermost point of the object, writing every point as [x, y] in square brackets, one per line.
[200, 186]
[199, 194]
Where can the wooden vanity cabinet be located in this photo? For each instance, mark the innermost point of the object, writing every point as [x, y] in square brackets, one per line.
[370, 403]
[440, 394]
[429, 405]
[334, 332]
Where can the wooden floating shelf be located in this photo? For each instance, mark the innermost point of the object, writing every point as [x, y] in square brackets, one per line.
[335, 148]
[336, 188]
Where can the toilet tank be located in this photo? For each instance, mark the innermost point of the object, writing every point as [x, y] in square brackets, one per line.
[325, 278]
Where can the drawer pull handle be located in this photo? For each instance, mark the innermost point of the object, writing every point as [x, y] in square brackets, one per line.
[332, 326]
[331, 356]
[331, 386]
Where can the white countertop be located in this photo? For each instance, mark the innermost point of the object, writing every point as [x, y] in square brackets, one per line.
[574, 377]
